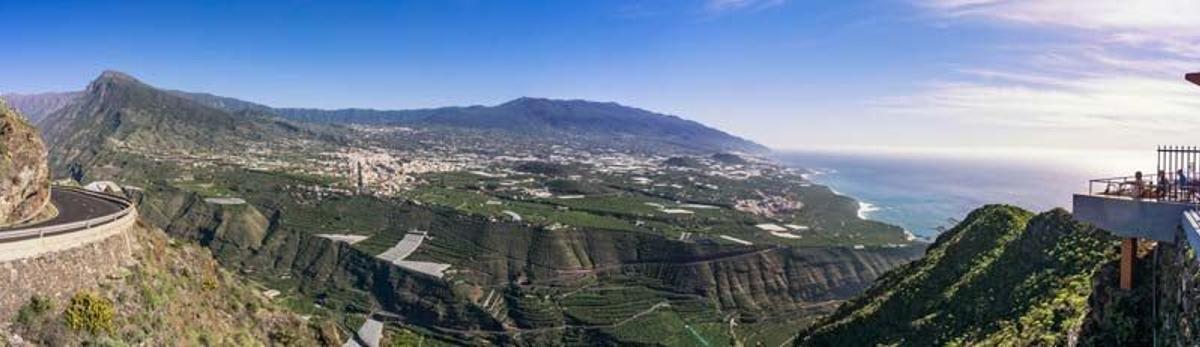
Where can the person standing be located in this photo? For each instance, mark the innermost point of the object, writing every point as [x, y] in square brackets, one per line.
[1138, 185]
[1182, 181]
[1160, 189]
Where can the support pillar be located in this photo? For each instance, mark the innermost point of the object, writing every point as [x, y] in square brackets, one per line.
[1128, 252]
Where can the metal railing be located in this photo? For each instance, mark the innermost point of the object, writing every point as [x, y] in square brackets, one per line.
[50, 230]
[1149, 187]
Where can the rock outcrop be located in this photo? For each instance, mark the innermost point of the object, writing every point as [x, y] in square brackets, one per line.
[24, 174]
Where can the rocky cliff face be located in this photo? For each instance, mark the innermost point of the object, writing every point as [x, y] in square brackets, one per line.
[1178, 276]
[751, 279]
[24, 174]
[244, 238]
[1163, 308]
[755, 284]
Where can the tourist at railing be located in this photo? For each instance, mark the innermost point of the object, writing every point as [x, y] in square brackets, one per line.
[1139, 186]
[1161, 189]
[1179, 186]
[1185, 186]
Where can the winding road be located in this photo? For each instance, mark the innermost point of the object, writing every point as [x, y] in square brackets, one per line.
[78, 209]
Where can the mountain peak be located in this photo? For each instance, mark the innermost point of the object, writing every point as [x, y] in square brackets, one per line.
[109, 79]
[115, 75]
[525, 100]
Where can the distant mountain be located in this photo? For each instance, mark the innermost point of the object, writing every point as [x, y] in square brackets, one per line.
[1001, 277]
[117, 110]
[599, 122]
[35, 107]
[589, 120]
[539, 120]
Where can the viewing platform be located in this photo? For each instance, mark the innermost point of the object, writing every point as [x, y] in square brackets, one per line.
[1126, 214]
[1153, 205]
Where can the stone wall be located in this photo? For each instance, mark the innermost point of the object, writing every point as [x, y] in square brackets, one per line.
[60, 274]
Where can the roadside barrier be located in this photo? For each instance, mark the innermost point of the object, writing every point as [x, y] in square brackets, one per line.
[32, 232]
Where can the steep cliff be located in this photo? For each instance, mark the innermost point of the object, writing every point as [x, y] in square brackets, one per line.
[513, 264]
[1002, 276]
[734, 277]
[1163, 307]
[24, 175]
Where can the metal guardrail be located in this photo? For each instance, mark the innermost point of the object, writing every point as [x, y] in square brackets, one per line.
[1148, 189]
[40, 232]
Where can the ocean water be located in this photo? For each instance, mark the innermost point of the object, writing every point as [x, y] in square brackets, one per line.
[922, 191]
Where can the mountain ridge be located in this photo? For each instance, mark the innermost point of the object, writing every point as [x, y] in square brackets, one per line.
[593, 122]
[117, 110]
[524, 115]
[37, 106]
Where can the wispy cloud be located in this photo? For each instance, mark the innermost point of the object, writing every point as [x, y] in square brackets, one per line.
[1160, 16]
[1116, 71]
[638, 9]
[722, 6]
[1126, 104]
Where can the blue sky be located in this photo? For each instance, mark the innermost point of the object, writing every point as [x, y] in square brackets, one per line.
[887, 74]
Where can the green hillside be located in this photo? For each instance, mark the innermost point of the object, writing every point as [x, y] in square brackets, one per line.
[117, 111]
[1001, 277]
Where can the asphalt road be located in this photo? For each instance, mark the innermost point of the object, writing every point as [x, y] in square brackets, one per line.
[74, 206]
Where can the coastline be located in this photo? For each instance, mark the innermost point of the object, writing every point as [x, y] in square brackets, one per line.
[924, 193]
[865, 209]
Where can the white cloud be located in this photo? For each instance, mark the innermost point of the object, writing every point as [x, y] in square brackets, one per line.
[1115, 15]
[1170, 25]
[1118, 71]
[1121, 104]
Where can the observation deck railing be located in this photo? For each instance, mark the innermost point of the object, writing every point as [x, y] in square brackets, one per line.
[1150, 188]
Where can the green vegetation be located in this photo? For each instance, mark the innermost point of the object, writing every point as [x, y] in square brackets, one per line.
[1001, 277]
[205, 189]
[614, 202]
[35, 309]
[174, 295]
[89, 312]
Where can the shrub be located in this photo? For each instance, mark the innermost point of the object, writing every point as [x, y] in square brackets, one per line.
[33, 310]
[90, 312]
[209, 283]
[284, 337]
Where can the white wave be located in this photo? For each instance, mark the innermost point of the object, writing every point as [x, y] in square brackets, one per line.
[865, 208]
